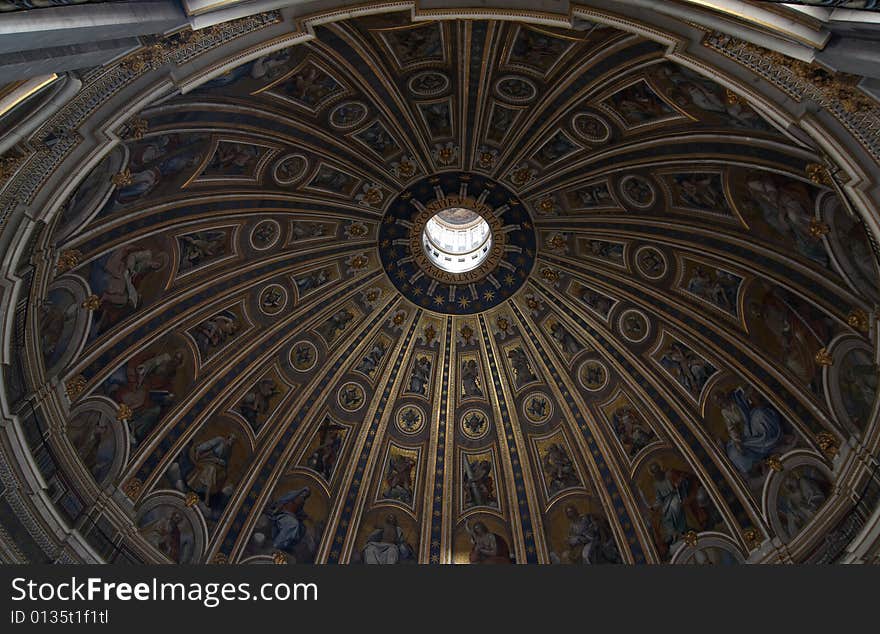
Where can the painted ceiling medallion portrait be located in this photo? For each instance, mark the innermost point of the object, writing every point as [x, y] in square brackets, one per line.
[478, 291]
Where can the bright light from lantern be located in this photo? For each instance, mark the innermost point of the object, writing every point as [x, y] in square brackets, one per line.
[457, 240]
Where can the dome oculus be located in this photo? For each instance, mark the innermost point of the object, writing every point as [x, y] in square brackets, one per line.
[457, 243]
[457, 240]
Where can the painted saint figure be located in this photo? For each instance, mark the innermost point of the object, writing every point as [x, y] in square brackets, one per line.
[201, 247]
[567, 342]
[691, 87]
[306, 230]
[488, 547]
[478, 483]
[312, 281]
[215, 332]
[118, 280]
[600, 303]
[323, 458]
[93, 439]
[337, 322]
[287, 516]
[715, 286]
[795, 328]
[670, 493]
[233, 159]
[420, 376]
[373, 359]
[398, 482]
[146, 385]
[522, 368]
[858, 385]
[211, 459]
[632, 431]
[57, 319]
[785, 205]
[701, 191]
[639, 104]
[754, 431]
[588, 541]
[690, 370]
[470, 379]
[801, 495]
[167, 534]
[593, 196]
[559, 469]
[256, 403]
[387, 544]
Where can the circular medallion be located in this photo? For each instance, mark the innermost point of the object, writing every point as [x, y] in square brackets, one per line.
[273, 299]
[474, 424]
[428, 83]
[410, 419]
[348, 115]
[303, 356]
[537, 408]
[651, 262]
[637, 191]
[457, 243]
[351, 397]
[515, 89]
[265, 235]
[633, 326]
[290, 169]
[590, 127]
[592, 375]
